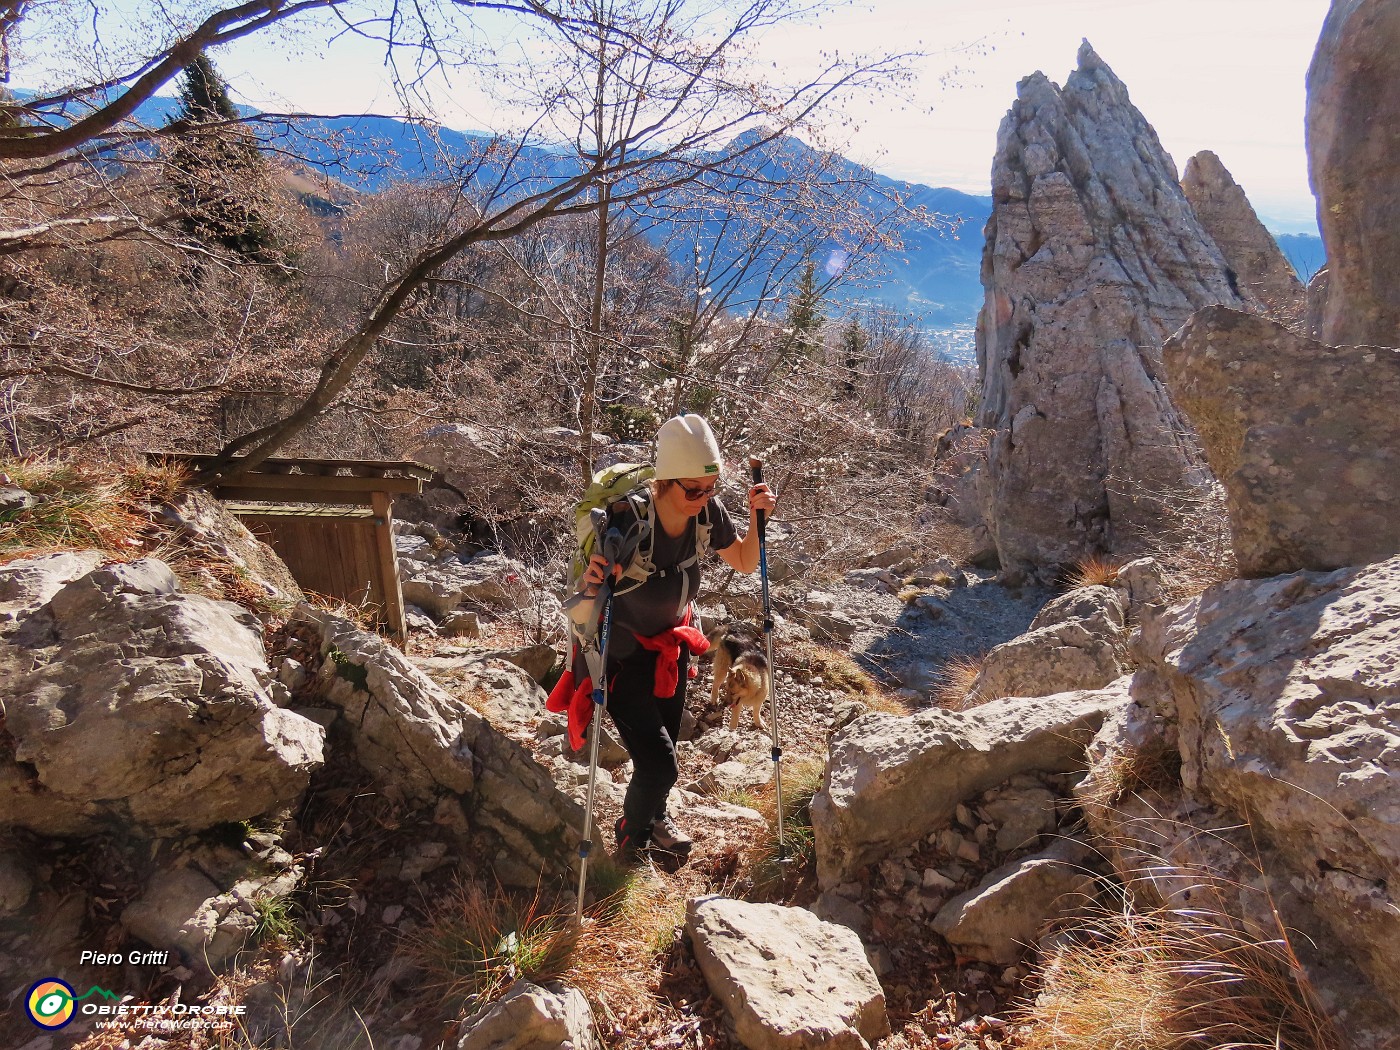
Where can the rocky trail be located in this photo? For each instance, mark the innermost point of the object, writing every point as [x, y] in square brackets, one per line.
[724, 797]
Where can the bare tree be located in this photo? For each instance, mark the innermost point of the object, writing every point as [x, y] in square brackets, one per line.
[647, 91]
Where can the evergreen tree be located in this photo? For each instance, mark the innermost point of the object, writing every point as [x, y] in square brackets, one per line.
[805, 318]
[220, 179]
[853, 353]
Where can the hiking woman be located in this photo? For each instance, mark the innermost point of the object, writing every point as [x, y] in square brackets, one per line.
[651, 642]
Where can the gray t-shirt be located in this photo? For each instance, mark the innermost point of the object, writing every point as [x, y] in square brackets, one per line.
[653, 607]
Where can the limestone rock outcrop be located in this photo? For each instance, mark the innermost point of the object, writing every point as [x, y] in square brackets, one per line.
[1281, 698]
[1093, 258]
[891, 779]
[788, 979]
[1262, 273]
[1304, 437]
[1353, 134]
[132, 703]
[422, 743]
[998, 920]
[203, 908]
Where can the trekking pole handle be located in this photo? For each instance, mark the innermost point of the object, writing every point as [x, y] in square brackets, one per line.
[756, 465]
[611, 546]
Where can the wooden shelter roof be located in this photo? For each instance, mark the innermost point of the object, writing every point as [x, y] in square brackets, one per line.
[298, 480]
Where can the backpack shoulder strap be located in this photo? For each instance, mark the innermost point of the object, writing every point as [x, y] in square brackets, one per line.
[636, 515]
[703, 525]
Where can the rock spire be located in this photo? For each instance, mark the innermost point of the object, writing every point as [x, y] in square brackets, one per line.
[1093, 258]
[1261, 271]
[1353, 130]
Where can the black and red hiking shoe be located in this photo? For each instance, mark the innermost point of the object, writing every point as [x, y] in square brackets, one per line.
[630, 845]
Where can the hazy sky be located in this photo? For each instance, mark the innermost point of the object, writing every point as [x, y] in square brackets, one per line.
[1225, 75]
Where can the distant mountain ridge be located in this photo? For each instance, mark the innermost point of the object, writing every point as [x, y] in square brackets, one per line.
[935, 278]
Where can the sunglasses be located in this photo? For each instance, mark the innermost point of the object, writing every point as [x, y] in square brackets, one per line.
[695, 495]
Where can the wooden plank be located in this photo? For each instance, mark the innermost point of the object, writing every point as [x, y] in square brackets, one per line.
[266, 510]
[255, 493]
[389, 565]
[313, 483]
[335, 557]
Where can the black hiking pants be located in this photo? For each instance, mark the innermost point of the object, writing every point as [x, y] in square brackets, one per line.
[650, 728]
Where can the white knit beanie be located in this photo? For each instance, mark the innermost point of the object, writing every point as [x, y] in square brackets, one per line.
[686, 448]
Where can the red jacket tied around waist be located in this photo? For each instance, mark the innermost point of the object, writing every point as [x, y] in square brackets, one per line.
[575, 695]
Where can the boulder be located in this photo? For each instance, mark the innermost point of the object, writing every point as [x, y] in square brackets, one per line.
[529, 1017]
[1142, 585]
[1284, 698]
[1303, 436]
[27, 583]
[16, 883]
[1054, 659]
[423, 744]
[487, 472]
[1073, 643]
[1093, 257]
[1178, 852]
[14, 499]
[208, 527]
[959, 461]
[891, 780]
[139, 706]
[535, 660]
[442, 586]
[788, 980]
[498, 688]
[1353, 134]
[1262, 273]
[998, 920]
[1101, 609]
[206, 906]
[1019, 814]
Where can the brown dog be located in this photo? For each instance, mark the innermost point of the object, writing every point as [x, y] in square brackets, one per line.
[740, 671]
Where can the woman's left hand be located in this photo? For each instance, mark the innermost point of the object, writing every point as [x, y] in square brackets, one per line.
[761, 497]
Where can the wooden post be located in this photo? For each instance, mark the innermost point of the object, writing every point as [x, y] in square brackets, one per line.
[389, 564]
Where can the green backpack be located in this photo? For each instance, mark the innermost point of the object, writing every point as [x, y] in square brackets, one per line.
[622, 491]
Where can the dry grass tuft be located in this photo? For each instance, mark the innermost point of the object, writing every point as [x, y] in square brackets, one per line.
[156, 480]
[1093, 571]
[366, 617]
[79, 505]
[1150, 769]
[956, 681]
[473, 945]
[807, 660]
[886, 703]
[623, 945]
[767, 868]
[1172, 979]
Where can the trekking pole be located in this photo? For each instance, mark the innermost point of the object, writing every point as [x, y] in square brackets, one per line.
[756, 465]
[611, 548]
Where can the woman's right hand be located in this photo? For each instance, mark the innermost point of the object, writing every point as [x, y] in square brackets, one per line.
[593, 576]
